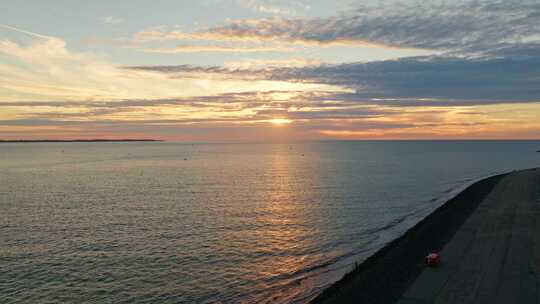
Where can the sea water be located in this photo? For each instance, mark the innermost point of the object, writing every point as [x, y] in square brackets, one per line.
[217, 223]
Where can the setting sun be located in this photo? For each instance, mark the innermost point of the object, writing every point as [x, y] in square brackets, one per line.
[280, 121]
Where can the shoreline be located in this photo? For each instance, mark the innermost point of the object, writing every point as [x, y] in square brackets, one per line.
[385, 276]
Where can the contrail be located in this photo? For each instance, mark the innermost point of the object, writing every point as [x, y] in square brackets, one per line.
[25, 32]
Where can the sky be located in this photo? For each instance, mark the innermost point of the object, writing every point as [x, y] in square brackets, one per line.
[269, 70]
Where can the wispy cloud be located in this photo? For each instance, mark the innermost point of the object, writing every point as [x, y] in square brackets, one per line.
[217, 49]
[471, 28]
[46, 70]
[234, 33]
[36, 35]
[257, 64]
[261, 7]
[112, 20]
[268, 7]
[453, 80]
[247, 118]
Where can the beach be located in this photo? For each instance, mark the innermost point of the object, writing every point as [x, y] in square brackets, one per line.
[489, 251]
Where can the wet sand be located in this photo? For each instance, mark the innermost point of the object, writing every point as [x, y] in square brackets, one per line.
[486, 236]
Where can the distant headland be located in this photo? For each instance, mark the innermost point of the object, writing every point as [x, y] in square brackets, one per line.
[77, 140]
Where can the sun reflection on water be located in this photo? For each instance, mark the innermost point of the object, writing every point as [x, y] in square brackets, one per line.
[285, 228]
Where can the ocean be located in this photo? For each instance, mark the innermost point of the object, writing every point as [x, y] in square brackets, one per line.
[161, 222]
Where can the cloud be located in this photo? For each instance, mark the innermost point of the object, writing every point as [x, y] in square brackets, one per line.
[467, 28]
[45, 69]
[422, 81]
[258, 64]
[217, 49]
[246, 116]
[248, 69]
[112, 20]
[272, 7]
[185, 70]
[233, 33]
[448, 78]
[36, 35]
[367, 122]
[261, 7]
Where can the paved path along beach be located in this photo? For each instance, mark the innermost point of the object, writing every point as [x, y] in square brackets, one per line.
[494, 257]
[489, 240]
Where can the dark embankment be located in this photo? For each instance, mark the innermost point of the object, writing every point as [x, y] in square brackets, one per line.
[385, 276]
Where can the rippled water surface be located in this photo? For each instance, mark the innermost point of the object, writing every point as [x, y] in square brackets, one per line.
[216, 223]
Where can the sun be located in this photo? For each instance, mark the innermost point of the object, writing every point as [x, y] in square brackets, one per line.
[280, 121]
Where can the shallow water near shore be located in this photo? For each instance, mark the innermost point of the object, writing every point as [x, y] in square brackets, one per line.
[217, 223]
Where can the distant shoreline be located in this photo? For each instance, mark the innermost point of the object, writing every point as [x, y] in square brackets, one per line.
[78, 140]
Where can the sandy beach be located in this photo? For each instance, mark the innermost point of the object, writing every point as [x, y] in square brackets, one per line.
[487, 243]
